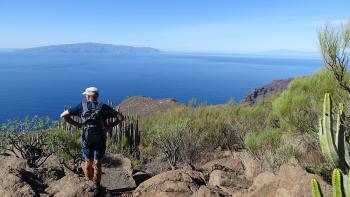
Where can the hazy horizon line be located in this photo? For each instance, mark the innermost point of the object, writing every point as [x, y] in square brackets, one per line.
[174, 50]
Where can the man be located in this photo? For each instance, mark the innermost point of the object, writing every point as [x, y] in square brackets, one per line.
[94, 116]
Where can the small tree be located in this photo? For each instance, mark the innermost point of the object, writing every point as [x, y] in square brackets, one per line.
[31, 146]
[27, 139]
[334, 43]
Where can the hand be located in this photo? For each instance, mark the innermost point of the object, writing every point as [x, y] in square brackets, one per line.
[79, 125]
[121, 117]
[69, 120]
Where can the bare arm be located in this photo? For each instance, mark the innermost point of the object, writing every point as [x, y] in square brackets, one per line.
[66, 116]
[120, 118]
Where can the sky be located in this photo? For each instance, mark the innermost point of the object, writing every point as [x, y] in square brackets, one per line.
[223, 26]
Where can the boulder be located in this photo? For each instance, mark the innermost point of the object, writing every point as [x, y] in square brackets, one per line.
[175, 183]
[290, 181]
[117, 179]
[17, 179]
[117, 173]
[225, 164]
[72, 186]
[50, 170]
[155, 165]
[226, 174]
[205, 191]
[251, 166]
[309, 151]
[228, 181]
[13, 181]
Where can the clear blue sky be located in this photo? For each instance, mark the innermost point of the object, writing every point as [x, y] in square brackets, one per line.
[170, 25]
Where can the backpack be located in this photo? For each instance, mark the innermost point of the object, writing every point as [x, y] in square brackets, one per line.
[93, 124]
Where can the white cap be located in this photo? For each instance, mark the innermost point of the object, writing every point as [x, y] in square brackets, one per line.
[91, 91]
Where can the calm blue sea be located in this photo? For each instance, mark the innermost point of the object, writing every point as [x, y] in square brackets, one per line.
[42, 84]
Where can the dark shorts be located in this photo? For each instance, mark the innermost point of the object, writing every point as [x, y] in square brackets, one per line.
[95, 151]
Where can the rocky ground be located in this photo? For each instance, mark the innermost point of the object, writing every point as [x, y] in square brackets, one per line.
[237, 174]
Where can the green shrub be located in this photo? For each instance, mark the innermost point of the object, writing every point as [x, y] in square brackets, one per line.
[135, 163]
[203, 116]
[287, 152]
[299, 106]
[217, 126]
[117, 147]
[255, 117]
[259, 142]
[209, 121]
[168, 139]
[67, 144]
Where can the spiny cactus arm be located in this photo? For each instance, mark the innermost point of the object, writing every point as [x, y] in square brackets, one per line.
[336, 183]
[328, 128]
[342, 145]
[324, 143]
[315, 188]
[339, 126]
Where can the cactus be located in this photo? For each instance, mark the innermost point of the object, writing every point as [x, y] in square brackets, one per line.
[335, 149]
[337, 183]
[340, 185]
[315, 188]
[332, 140]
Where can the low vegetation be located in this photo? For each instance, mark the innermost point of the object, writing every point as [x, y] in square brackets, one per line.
[188, 134]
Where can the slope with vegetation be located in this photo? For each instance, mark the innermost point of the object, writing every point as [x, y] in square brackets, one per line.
[237, 149]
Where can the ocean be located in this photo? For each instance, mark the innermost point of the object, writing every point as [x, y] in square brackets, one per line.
[42, 84]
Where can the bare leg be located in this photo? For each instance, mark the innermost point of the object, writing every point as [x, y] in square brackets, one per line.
[88, 168]
[97, 171]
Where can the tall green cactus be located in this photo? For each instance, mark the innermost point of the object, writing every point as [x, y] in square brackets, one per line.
[338, 183]
[332, 138]
[335, 148]
[315, 188]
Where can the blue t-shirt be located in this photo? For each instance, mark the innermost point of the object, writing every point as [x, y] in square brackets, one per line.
[107, 111]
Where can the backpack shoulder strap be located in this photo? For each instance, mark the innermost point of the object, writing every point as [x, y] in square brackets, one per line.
[85, 108]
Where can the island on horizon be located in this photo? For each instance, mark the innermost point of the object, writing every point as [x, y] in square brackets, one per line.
[89, 47]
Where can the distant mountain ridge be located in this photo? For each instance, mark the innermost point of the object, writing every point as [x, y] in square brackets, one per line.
[90, 47]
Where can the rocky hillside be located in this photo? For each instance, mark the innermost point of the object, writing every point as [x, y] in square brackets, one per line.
[146, 106]
[231, 175]
[274, 87]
